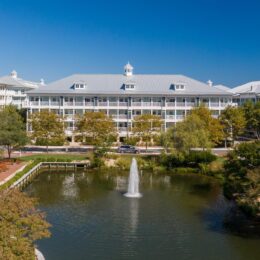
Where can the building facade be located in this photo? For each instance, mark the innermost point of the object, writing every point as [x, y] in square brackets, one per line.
[13, 90]
[124, 96]
[245, 92]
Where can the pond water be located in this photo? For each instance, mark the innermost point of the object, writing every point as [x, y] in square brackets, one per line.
[178, 217]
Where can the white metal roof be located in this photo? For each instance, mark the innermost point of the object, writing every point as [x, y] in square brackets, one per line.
[114, 84]
[250, 87]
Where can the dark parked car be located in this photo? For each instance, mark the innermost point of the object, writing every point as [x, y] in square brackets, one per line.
[127, 149]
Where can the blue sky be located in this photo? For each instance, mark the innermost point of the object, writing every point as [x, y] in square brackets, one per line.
[204, 39]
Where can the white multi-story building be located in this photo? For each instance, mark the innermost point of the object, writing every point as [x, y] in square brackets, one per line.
[13, 90]
[245, 92]
[123, 96]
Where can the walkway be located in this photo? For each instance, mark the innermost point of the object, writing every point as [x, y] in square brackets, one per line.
[12, 169]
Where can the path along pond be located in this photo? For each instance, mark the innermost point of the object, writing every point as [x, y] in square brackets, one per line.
[178, 217]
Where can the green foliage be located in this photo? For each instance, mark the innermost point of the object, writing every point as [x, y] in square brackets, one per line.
[252, 115]
[210, 124]
[54, 157]
[243, 176]
[233, 121]
[98, 129]
[146, 126]
[12, 129]
[191, 159]
[189, 133]
[132, 140]
[21, 224]
[47, 128]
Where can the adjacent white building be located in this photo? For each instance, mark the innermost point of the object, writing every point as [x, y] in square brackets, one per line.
[245, 92]
[13, 90]
[123, 96]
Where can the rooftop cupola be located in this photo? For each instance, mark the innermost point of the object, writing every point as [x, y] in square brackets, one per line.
[13, 74]
[128, 70]
[42, 82]
[210, 83]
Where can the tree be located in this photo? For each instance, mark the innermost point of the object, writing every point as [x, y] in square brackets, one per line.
[211, 124]
[21, 224]
[190, 133]
[252, 115]
[12, 129]
[242, 178]
[146, 126]
[98, 128]
[47, 128]
[233, 121]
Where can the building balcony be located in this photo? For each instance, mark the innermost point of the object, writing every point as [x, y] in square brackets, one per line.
[89, 104]
[171, 117]
[34, 103]
[157, 104]
[214, 104]
[69, 104]
[122, 129]
[102, 104]
[44, 103]
[55, 103]
[123, 104]
[180, 104]
[190, 104]
[180, 117]
[170, 104]
[79, 104]
[122, 116]
[136, 104]
[147, 104]
[113, 104]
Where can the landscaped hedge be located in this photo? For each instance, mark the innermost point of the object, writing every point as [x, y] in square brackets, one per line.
[191, 159]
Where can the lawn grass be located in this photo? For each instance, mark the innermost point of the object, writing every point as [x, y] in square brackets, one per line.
[55, 157]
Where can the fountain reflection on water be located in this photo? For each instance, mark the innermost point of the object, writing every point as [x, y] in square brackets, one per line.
[133, 182]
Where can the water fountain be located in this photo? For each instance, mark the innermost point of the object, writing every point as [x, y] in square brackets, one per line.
[133, 182]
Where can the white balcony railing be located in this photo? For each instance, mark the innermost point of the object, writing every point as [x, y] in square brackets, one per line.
[190, 104]
[113, 104]
[180, 104]
[157, 104]
[102, 104]
[170, 117]
[122, 129]
[170, 104]
[44, 103]
[146, 104]
[214, 104]
[89, 104]
[55, 103]
[122, 116]
[34, 103]
[123, 104]
[179, 117]
[79, 103]
[69, 104]
[136, 104]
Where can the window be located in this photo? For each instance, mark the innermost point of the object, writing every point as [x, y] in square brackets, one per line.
[79, 86]
[179, 87]
[129, 86]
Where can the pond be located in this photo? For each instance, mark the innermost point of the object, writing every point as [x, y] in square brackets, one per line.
[178, 217]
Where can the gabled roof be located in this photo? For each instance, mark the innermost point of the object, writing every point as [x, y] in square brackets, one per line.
[14, 81]
[97, 84]
[250, 87]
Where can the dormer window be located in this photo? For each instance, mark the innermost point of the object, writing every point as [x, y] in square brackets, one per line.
[129, 86]
[79, 86]
[178, 86]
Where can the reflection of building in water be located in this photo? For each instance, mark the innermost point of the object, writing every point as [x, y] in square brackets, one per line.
[120, 183]
[133, 214]
[167, 180]
[69, 186]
